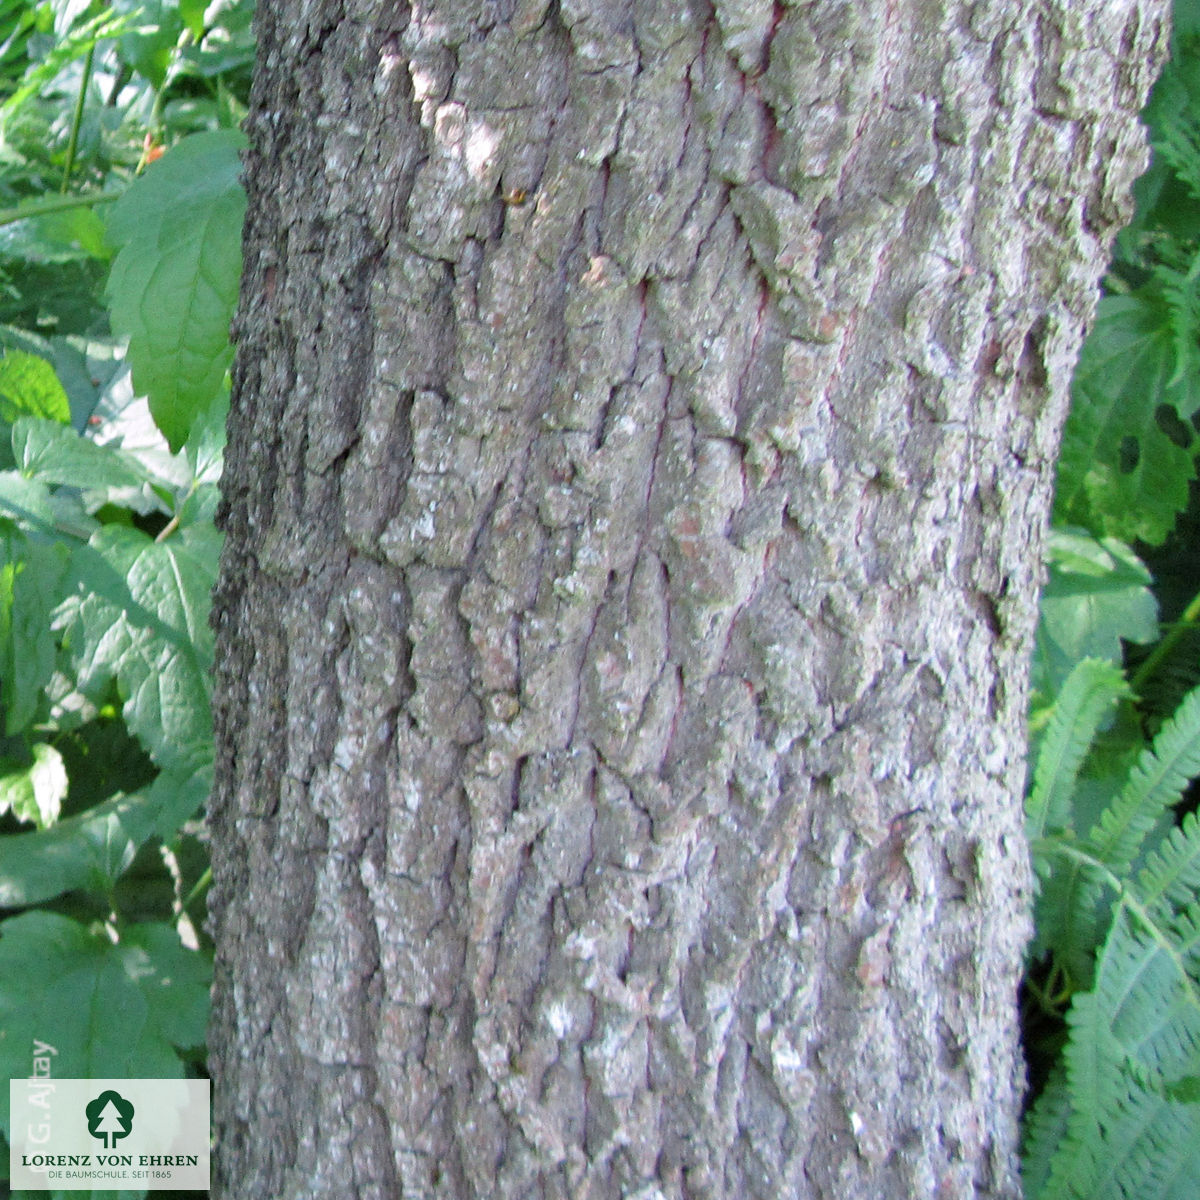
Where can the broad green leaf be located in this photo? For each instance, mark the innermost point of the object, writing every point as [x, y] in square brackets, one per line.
[56, 454]
[34, 792]
[174, 281]
[109, 1010]
[192, 14]
[1097, 595]
[205, 449]
[179, 1004]
[55, 236]
[90, 851]
[31, 579]
[33, 507]
[1121, 472]
[29, 387]
[148, 45]
[138, 613]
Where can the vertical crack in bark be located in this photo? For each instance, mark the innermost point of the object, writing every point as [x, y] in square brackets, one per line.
[638, 873]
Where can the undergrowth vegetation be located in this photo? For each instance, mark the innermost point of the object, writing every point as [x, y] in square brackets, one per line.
[120, 213]
[1112, 992]
[120, 227]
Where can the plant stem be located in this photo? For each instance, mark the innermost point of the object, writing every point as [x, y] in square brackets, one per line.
[77, 119]
[1190, 617]
[201, 884]
[52, 204]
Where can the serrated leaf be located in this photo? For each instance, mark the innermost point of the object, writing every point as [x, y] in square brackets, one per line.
[90, 851]
[31, 506]
[1172, 871]
[1072, 909]
[1119, 473]
[72, 44]
[35, 792]
[139, 614]
[109, 1010]
[56, 454]
[29, 387]
[31, 578]
[174, 281]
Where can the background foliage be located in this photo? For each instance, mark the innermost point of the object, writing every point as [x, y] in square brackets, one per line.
[1112, 993]
[120, 220]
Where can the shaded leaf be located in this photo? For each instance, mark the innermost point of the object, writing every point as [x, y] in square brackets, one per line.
[109, 1010]
[139, 614]
[90, 851]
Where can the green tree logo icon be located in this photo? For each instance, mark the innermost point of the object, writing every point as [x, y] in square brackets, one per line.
[109, 1117]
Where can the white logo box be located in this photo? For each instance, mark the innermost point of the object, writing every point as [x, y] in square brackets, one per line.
[89, 1134]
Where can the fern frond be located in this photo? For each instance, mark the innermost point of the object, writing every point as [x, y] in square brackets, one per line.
[1072, 908]
[1171, 875]
[1133, 1050]
[1091, 1075]
[1148, 997]
[1088, 694]
[1179, 144]
[1180, 290]
[1045, 1127]
[1160, 775]
[1149, 1148]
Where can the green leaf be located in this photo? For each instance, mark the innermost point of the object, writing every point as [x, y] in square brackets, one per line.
[1072, 909]
[174, 281]
[1157, 780]
[192, 14]
[54, 237]
[31, 578]
[1097, 595]
[148, 46]
[109, 1010]
[34, 792]
[33, 507]
[56, 454]
[90, 851]
[74, 45]
[1122, 472]
[178, 1007]
[29, 386]
[1090, 692]
[1171, 875]
[139, 613]
[1044, 1128]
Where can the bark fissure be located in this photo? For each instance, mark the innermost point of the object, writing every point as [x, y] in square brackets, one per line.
[635, 488]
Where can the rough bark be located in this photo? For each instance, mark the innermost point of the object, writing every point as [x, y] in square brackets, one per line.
[643, 428]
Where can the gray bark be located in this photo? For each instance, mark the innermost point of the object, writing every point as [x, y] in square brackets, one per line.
[644, 421]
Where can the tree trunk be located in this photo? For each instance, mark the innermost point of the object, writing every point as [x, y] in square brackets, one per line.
[643, 431]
